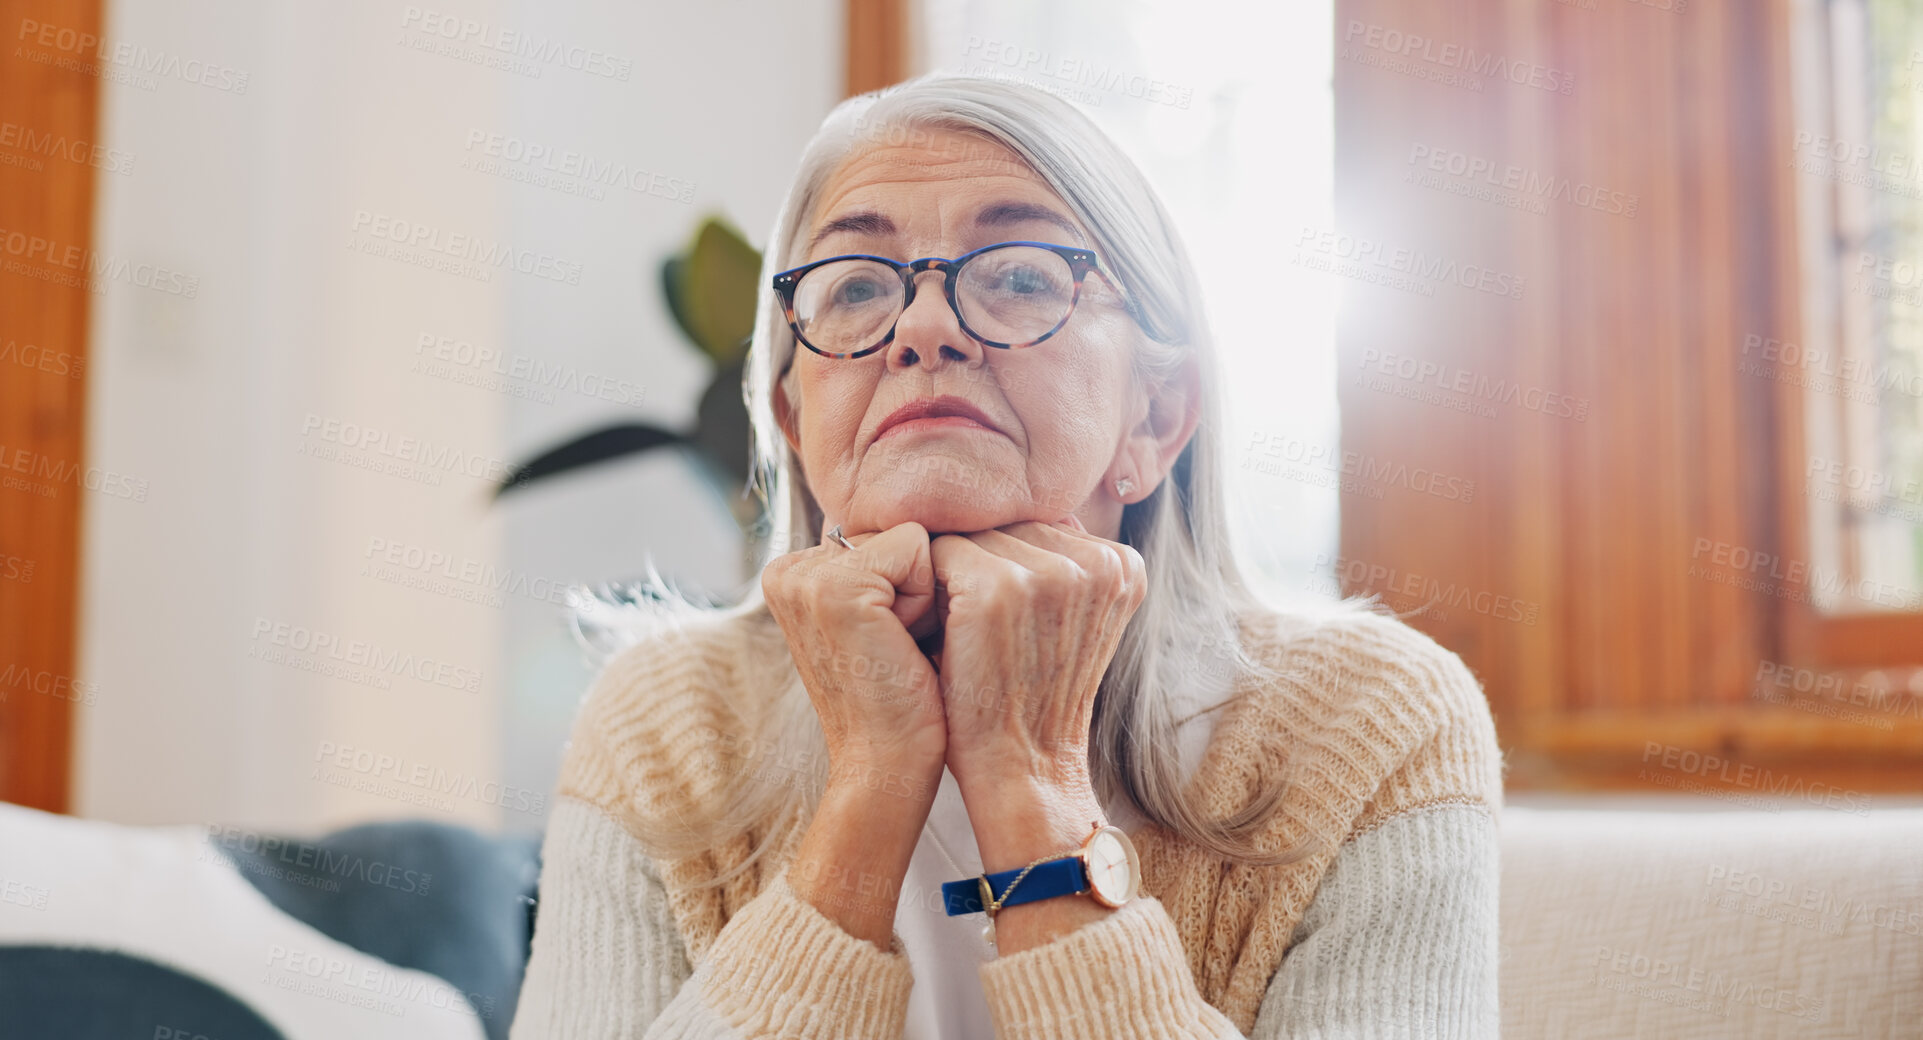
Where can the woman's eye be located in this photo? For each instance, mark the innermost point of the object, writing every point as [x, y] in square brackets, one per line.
[856, 291]
[1027, 280]
[1024, 281]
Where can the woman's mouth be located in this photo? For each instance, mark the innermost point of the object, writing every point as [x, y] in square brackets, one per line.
[946, 412]
[933, 422]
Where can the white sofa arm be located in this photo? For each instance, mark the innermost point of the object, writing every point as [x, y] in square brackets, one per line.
[1685, 925]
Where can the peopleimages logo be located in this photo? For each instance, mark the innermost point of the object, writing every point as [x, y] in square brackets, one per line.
[1870, 482]
[381, 766]
[445, 358]
[1891, 163]
[309, 857]
[540, 158]
[367, 982]
[1856, 378]
[406, 449]
[1080, 71]
[44, 475]
[433, 570]
[471, 254]
[1402, 260]
[47, 684]
[50, 145]
[513, 43]
[126, 57]
[73, 264]
[1690, 762]
[359, 653]
[1746, 568]
[1486, 64]
[1528, 182]
[1462, 381]
[1822, 903]
[1298, 451]
[1700, 989]
[55, 362]
[1427, 591]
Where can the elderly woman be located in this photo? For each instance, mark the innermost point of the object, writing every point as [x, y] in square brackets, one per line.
[1005, 746]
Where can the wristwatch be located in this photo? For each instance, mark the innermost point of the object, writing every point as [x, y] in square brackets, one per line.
[1105, 867]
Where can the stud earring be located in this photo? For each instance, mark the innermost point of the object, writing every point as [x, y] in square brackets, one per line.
[1124, 485]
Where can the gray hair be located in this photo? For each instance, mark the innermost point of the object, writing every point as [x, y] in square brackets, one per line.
[1186, 625]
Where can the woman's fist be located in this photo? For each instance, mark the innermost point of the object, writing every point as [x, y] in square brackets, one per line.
[852, 617]
[1035, 612]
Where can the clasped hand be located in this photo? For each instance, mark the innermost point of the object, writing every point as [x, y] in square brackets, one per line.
[1027, 618]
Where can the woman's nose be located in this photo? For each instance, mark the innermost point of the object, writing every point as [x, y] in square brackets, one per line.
[928, 331]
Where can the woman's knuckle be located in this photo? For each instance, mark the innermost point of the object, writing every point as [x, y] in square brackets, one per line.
[1106, 568]
[1057, 573]
[814, 595]
[841, 573]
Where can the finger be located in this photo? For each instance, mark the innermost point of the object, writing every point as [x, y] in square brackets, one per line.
[1027, 553]
[1090, 552]
[1094, 554]
[891, 566]
[963, 567]
[900, 554]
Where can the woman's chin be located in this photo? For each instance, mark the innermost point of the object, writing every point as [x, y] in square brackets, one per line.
[946, 515]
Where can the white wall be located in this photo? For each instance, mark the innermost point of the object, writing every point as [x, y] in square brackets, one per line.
[725, 96]
[267, 197]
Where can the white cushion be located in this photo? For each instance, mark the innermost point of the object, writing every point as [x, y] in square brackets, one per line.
[167, 895]
[1685, 925]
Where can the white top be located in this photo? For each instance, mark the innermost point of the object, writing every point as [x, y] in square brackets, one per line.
[947, 1002]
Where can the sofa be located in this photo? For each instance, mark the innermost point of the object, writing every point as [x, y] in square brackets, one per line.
[1615, 923]
[1687, 925]
[412, 930]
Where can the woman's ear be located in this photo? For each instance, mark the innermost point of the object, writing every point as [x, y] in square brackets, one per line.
[785, 417]
[1168, 417]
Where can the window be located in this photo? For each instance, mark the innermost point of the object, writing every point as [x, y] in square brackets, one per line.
[1859, 152]
[1856, 376]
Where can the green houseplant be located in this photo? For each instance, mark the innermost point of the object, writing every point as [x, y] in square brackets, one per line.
[710, 287]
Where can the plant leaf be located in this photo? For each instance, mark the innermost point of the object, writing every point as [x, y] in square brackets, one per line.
[711, 290]
[721, 425]
[602, 445]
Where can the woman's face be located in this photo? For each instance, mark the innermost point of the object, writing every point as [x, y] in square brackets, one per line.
[1068, 419]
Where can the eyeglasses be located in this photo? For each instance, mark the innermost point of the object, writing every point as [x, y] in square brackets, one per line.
[1008, 295]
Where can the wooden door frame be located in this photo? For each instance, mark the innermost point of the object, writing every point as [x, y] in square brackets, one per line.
[877, 38]
[44, 296]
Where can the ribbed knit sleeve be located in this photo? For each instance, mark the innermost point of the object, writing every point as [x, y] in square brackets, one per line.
[1123, 976]
[607, 961]
[781, 968]
[1401, 939]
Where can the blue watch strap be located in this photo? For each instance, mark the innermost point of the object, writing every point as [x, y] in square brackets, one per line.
[1057, 877]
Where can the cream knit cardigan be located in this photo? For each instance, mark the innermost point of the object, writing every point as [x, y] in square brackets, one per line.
[1391, 931]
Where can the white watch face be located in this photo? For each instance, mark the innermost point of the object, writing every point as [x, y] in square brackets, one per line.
[1111, 869]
